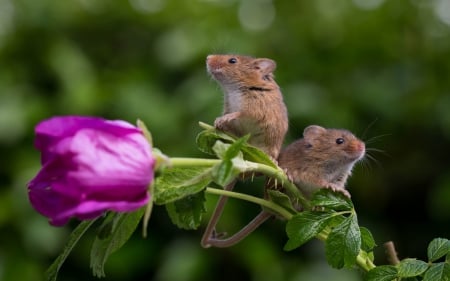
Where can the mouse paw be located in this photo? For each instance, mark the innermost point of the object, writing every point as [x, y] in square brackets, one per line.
[219, 124]
[340, 189]
[223, 122]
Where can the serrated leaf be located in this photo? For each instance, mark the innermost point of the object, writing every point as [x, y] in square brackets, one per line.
[74, 237]
[438, 248]
[411, 268]
[333, 200]
[367, 241]
[123, 226]
[304, 226]
[208, 138]
[176, 183]
[438, 272]
[187, 213]
[281, 199]
[382, 273]
[343, 243]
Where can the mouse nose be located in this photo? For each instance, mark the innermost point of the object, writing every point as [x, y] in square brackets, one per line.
[362, 147]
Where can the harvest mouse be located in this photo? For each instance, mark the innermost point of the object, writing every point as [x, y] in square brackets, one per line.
[323, 158]
[253, 103]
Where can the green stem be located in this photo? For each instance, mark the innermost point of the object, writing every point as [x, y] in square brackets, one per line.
[193, 162]
[268, 204]
[280, 175]
[272, 172]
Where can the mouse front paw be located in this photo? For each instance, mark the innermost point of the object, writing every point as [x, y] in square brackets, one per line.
[223, 122]
[338, 188]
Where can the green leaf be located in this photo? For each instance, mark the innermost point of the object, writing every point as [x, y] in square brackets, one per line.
[161, 160]
[304, 226]
[367, 241]
[382, 273]
[176, 183]
[123, 226]
[438, 272]
[411, 268]
[187, 213]
[224, 173]
[367, 255]
[220, 149]
[235, 148]
[281, 199]
[148, 136]
[330, 199]
[438, 248]
[148, 211]
[208, 138]
[74, 237]
[232, 164]
[254, 154]
[344, 243]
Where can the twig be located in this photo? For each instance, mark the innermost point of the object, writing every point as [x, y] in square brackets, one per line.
[391, 253]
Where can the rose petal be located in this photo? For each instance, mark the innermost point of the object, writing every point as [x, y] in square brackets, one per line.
[90, 165]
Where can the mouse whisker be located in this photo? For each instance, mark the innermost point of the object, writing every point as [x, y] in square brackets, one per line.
[376, 138]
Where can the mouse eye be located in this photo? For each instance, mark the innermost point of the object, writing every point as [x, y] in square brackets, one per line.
[340, 140]
[232, 60]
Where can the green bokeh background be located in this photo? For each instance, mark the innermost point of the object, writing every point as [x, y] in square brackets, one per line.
[380, 68]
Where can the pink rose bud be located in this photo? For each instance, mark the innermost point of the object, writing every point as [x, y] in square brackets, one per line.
[90, 165]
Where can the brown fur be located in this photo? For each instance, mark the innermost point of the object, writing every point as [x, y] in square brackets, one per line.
[318, 161]
[253, 103]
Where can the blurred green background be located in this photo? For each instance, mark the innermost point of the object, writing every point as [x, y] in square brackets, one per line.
[379, 68]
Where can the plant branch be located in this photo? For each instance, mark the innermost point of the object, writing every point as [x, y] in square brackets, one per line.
[272, 172]
[362, 259]
[392, 256]
[281, 176]
[249, 198]
[193, 162]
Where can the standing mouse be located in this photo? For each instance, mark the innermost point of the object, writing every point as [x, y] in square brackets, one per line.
[323, 158]
[253, 103]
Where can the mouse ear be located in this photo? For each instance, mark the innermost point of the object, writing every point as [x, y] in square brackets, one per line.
[313, 130]
[266, 65]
